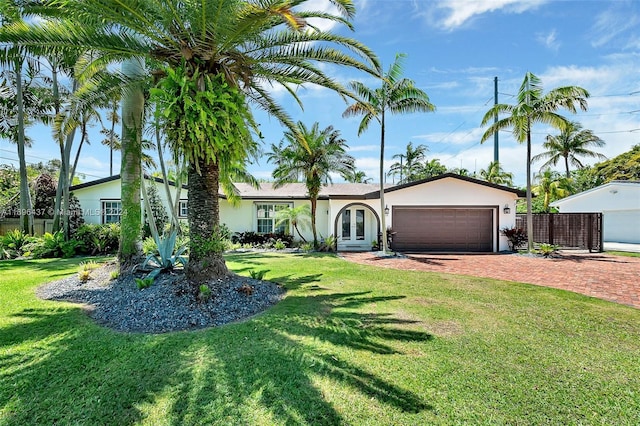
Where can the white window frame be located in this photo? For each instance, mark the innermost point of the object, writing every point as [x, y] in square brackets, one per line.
[107, 209]
[267, 216]
[182, 208]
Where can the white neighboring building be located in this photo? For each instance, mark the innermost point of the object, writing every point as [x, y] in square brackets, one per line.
[443, 213]
[619, 203]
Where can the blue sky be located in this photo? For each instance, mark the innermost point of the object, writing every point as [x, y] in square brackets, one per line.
[454, 50]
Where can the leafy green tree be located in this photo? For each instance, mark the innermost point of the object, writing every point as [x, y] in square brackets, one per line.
[396, 95]
[495, 174]
[433, 168]
[572, 142]
[235, 48]
[551, 186]
[310, 154]
[533, 106]
[410, 166]
[298, 217]
[625, 166]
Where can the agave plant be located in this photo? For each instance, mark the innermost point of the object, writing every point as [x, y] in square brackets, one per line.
[167, 256]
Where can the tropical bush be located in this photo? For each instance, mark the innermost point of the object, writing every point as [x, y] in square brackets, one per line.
[516, 237]
[261, 240]
[547, 250]
[166, 256]
[98, 239]
[14, 244]
[53, 245]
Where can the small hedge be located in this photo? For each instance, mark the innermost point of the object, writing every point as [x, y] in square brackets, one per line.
[254, 239]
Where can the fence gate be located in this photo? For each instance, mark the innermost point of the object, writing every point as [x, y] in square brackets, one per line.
[567, 230]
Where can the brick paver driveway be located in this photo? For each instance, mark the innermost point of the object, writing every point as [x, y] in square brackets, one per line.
[608, 277]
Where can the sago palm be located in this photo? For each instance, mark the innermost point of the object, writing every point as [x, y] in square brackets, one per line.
[572, 142]
[533, 106]
[396, 95]
[240, 47]
[310, 155]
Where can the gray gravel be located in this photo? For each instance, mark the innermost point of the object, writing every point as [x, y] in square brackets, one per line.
[170, 304]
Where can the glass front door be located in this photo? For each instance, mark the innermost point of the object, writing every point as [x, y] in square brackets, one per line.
[353, 225]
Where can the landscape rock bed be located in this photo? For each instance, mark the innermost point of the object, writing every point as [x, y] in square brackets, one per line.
[170, 304]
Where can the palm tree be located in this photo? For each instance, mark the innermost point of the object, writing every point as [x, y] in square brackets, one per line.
[572, 142]
[495, 174]
[534, 106]
[236, 48]
[396, 95]
[433, 168]
[312, 155]
[358, 176]
[410, 166]
[298, 217]
[552, 186]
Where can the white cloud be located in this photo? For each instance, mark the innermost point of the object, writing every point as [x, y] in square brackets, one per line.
[611, 24]
[549, 40]
[452, 14]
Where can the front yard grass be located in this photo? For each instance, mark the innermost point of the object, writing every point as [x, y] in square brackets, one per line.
[350, 344]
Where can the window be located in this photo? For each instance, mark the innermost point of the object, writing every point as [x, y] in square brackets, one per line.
[359, 224]
[266, 214]
[346, 225]
[111, 211]
[182, 208]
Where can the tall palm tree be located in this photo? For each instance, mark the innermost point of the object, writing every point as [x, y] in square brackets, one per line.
[572, 142]
[551, 186]
[396, 95]
[495, 174]
[358, 176]
[533, 106]
[410, 166]
[310, 155]
[240, 48]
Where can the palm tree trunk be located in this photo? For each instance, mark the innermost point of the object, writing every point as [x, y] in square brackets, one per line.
[566, 165]
[205, 257]
[382, 215]
[131, 170]
[314, 203]
[26, 210]
[529, 207]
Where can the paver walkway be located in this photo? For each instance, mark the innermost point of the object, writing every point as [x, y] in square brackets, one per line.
[608, 277]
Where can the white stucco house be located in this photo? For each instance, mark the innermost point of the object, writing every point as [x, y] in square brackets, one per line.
[619, 203]
[444, 213]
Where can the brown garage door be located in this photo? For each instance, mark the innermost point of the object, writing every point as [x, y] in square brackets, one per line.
[442, 229]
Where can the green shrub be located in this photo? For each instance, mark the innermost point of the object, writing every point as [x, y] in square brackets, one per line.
[114, 274]
[257, 275]
[98, 239]
[279, 245]
[49, 245]
[328, 244]
[149, 246]
[307, 247]
[14, 244]
[204, 293]
[143, 283]
[547, 250]
[84, 275]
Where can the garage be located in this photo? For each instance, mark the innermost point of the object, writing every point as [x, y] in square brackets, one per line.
[443, 229]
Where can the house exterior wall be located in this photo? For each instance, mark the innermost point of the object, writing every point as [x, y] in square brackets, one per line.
[244, 216]
[619, 203]
[91, 198]
[452, 192]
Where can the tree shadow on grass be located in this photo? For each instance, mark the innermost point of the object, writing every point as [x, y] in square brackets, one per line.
[58, 367]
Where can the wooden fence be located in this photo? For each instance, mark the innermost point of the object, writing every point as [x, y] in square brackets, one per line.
[40, 226]
[567, 230]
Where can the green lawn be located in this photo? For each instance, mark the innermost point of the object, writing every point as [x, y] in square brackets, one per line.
[350, 344]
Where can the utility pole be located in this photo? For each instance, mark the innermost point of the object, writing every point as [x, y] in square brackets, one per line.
[401, 157]
[495, 120]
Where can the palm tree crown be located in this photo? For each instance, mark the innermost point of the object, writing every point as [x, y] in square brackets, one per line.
[410, 167]
[572, 142]
[396, 95]
[495, 174]
[310, 155]
[533, 106]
